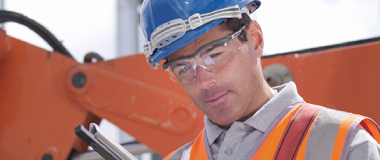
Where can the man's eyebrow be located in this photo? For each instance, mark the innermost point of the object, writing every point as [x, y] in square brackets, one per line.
[177, 64]
[206, 50]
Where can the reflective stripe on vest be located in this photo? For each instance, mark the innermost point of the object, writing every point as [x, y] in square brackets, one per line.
[312, 137]
[279, 141]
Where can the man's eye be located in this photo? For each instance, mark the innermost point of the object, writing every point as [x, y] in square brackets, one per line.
[215, 54]
[183, 70]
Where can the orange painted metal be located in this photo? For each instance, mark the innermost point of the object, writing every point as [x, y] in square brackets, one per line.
[141, 101]
[345, 78]
[5, 44]
[40, 107]
[36, 116]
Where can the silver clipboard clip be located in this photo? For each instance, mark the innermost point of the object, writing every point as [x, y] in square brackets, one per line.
[101, 143]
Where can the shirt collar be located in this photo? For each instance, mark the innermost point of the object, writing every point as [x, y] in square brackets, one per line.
[287, 95]
[213, 131]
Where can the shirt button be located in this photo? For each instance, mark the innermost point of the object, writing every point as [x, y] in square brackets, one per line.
[228, 151]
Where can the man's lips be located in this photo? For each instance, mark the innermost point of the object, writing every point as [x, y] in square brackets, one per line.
[217, 98]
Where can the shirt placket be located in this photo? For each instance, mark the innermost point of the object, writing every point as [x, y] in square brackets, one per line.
[231, 141]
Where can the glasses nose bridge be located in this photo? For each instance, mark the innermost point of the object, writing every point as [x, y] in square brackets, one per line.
[198, 64]
[204, 76]
[194, 67]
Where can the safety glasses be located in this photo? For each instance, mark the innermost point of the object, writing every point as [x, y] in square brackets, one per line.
[211, 57]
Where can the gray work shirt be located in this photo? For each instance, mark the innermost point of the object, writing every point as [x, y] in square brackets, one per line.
[238, 141]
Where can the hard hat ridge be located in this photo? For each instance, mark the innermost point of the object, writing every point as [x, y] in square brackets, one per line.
[171, 24]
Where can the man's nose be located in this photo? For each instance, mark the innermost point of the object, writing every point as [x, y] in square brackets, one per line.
[205, 77]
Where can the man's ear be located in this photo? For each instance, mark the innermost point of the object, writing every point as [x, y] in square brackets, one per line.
[255, 37]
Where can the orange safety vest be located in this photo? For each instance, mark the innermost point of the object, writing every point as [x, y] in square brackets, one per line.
[286, 137]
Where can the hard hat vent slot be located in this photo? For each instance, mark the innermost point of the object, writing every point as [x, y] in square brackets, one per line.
[168, 32]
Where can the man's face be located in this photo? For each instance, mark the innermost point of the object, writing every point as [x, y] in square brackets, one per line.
[229, 93]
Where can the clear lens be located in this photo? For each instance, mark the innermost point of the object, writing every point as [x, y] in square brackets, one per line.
[211, 58]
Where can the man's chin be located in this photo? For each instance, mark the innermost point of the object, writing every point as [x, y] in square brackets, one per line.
[223, 123]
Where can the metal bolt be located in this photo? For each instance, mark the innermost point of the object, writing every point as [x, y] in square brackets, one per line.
[91, 56]
[277, 74]
[47, 157]
[79, 80]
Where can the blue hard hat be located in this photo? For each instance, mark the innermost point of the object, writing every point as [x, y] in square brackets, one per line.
[155, 13]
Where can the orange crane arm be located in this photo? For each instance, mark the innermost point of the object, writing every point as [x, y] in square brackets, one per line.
[45, 95]
[344, 76]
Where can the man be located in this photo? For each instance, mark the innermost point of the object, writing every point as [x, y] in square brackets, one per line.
[213, 50]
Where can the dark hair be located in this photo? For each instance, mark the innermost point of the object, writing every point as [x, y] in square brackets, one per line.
[234, 24]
